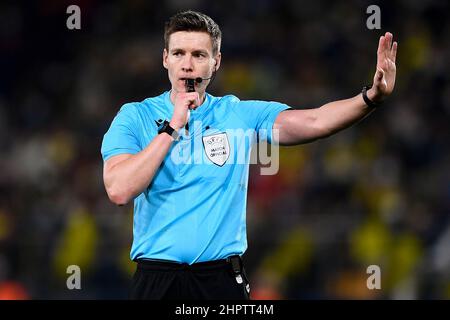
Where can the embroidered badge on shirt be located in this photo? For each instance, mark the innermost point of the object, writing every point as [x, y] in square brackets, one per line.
[217, 148]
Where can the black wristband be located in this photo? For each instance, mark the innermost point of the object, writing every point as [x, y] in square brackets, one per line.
[369, 102]
[169, 130]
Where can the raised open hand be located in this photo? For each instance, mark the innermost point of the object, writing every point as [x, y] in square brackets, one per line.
[384, 79]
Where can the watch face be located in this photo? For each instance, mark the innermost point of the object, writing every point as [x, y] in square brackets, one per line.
[175, 135]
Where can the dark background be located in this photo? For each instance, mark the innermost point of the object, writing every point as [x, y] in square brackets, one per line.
[377, 193]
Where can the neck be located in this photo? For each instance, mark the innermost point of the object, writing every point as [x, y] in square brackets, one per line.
[173, 94]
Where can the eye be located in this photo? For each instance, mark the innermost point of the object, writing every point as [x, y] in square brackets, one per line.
[177, 53]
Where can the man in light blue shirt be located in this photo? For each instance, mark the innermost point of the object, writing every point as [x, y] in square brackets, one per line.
[194, 209]
[184, 156]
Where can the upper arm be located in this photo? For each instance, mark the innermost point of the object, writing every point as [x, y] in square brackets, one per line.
[109, 165]
[297, 127]
[114, 160]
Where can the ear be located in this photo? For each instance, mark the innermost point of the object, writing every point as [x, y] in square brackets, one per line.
[218, 59]
[165, 57]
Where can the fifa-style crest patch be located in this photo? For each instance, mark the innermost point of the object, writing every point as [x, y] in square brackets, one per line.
[217, 148]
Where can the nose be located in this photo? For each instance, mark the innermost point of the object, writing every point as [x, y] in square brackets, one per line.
[186, 65]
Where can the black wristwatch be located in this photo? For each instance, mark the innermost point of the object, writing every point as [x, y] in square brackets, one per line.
[369, 102]
[169, 130]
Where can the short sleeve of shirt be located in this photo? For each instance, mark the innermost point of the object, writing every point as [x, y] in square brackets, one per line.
[121, 136]
[260, 115]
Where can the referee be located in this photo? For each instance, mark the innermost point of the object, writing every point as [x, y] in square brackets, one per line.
[177, 156]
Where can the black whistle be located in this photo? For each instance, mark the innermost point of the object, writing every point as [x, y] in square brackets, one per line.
[190, 85]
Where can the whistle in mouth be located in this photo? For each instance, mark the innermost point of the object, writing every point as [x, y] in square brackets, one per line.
[190, 85]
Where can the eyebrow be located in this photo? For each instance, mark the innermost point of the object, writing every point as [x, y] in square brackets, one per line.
[193, 52]
[200, 51]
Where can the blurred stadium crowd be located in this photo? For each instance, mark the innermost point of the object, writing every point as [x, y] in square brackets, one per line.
[377, 193]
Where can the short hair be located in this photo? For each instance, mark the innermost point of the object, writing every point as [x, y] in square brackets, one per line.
[193, 21]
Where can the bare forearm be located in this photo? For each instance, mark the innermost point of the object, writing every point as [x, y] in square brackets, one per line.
[338, 115]
[130, 177]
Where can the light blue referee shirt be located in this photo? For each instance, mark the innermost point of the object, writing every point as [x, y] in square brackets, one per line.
[194, 210]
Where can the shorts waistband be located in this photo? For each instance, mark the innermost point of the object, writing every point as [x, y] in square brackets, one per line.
[157, 264]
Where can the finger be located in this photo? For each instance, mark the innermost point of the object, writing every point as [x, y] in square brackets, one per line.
[394, 51]
[193, 100]
[193, 95]
[380, 74]
[192, 104]
[380, 49]
[389, 37]
[380, 45]
[378, 77]
[388, 50]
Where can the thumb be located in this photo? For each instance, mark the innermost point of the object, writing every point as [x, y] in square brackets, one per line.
[380, 74]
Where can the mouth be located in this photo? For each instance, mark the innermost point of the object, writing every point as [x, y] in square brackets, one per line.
[182, 81]
[186, 78]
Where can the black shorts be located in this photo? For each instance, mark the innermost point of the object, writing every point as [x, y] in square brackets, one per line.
[213, 280]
